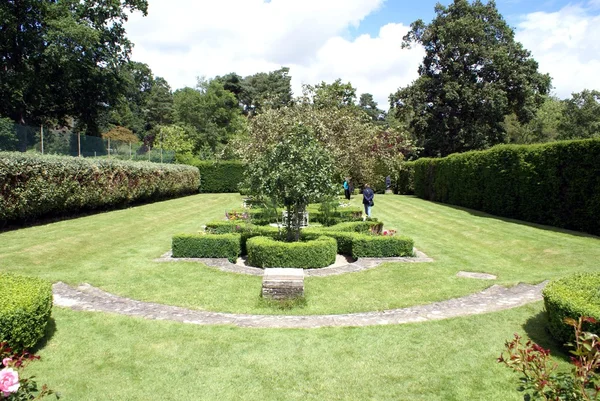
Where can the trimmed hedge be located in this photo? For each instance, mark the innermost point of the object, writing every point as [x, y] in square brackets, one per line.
[572, 297]
[268, 252]
[220, 177]
[245, 230]
[33, 186]
[344, 239]
[207, 246]
[374, 246]
[556, 183]
[25, 307]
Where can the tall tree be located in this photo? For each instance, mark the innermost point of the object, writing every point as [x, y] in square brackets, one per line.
[581, 116]
[63, 58]
[369, 105]
[336, 94]
[473, 74]
[266, 90]
[210, 114]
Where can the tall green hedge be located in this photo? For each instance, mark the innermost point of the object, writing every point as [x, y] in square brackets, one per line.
[33, 186]
[556, 184]
[220, 177]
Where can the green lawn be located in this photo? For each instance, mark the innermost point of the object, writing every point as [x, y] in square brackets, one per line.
[96, 356]
[115, 251]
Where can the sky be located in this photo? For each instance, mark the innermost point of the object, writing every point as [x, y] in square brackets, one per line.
[358, 41]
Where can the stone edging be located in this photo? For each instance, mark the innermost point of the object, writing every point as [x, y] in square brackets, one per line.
[495, 298]
[361, 264]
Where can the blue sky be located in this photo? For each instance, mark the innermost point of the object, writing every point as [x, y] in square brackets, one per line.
[394, 11]
[358, 41]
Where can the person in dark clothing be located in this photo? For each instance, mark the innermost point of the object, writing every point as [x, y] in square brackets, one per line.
[368, 202]
[347, 188]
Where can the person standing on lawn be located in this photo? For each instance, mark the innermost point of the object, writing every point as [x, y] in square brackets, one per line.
[347, 188]
[368, 202]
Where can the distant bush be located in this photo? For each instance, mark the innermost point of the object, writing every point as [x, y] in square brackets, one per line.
[221, 176]
[572, 297]
[33, 186]
[268, 252]
[556, 183]
[25, 307]
[207, 246]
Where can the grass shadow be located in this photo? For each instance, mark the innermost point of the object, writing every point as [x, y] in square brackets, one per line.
[48, 334]
[486, 215]
[536, 328]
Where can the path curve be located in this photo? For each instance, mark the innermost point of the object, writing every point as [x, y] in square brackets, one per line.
[495, 298]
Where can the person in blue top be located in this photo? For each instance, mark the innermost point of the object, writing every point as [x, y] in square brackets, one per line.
[368, 196]
[347, 188]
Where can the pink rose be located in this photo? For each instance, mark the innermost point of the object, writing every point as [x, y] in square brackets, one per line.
[6, 361]
[9, 381]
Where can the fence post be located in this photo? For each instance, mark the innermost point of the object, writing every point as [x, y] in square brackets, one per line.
[129, 150]
[42, 137]
[109, 147]
[78, 144]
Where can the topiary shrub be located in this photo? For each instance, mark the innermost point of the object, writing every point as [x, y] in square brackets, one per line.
[207, 246]
[573, 296]
[268, 252]
[25, 307]
[374, 246]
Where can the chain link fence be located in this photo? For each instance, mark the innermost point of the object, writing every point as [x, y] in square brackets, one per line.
[23, 138]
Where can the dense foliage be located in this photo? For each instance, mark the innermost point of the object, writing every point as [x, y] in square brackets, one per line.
[25, 307]
[473, 74]
[268, 252]
[63, 58]
[207, 246]
[572, 297]
[220, 176]
[40, 186]
[291, 172]
[556, 183]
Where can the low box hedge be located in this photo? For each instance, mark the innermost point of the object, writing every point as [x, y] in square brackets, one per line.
[372, 226]
[572, 297]
[207, 246]
[25, 308]
[375, 246]
[268, 252]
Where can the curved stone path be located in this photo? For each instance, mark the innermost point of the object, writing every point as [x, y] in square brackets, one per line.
[361, 264]
[495, 298]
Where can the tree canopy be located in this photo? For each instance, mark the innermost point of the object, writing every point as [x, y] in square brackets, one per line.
[473, 74]
[63, 58]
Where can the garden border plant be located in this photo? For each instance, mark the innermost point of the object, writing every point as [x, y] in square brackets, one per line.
[570, 298]
[25, 308]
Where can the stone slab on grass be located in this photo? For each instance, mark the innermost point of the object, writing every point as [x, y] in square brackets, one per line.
[283, 283]
[479, 276]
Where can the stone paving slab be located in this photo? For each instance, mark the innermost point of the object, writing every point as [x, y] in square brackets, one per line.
[495, 298]
[476, 275]
[361, 264]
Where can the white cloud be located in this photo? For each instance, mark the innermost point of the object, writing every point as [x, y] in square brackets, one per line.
[208, 38]
[565, 44]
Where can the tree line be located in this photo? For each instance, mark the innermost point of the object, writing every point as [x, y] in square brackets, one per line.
[66, 63]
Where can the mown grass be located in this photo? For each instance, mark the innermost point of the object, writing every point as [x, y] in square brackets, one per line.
[115, 251]
[94, 356]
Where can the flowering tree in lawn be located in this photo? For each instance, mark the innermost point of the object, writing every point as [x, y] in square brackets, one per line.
[291, 172]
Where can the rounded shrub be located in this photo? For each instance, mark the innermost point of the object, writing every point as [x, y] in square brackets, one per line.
[268, 252]
[207, 246]
[25, 307]
[572, 297]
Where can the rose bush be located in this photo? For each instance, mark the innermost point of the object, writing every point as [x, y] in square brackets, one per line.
[13, 384]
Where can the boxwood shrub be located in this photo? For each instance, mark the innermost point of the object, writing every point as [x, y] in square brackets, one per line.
[207, 246]
[573, 296]
[372, 226]
[33, 186]
[25, 307]
[268, 252]
[375, 246]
